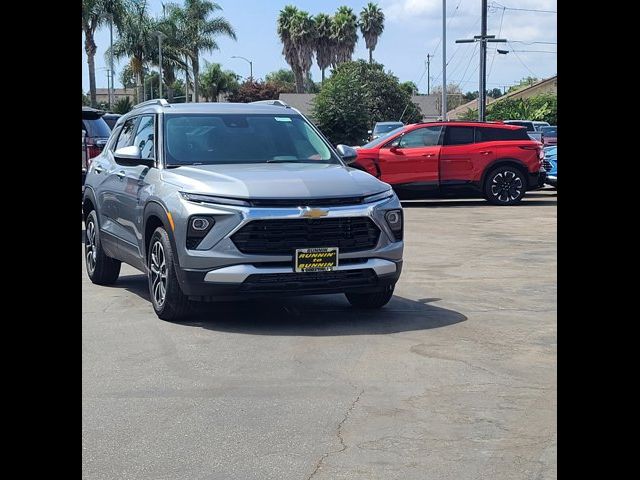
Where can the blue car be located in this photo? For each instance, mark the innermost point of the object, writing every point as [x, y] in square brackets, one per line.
[550, 164]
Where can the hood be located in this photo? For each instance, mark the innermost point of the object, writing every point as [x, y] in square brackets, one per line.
[274, 180]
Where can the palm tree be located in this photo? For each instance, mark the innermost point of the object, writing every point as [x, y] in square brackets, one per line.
[303, 36]
[345, 34]
[96, 13]
[136, 42]
[173, 53]
[371, 25]
[215, 81]
[199, 32]
[285, 20]
[325, 46]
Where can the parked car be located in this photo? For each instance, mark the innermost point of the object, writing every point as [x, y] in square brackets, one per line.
[95, 137]
[383, 127]
[425, 159]
[539, 125]
[111, 119]
[237, 200]
[533, 133]
[550, 164]
[549, 135]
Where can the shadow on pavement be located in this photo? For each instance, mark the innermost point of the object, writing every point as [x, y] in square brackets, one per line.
[471, 203]
[319, 315]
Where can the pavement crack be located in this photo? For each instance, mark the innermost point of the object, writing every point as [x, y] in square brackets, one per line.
[343, 446]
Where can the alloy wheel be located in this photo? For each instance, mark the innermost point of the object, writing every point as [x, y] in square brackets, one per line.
[506, 186]
[158, 268]
[90, 246]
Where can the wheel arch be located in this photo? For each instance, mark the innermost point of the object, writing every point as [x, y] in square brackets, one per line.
[89, 202]
[513, 162]
[155, 215]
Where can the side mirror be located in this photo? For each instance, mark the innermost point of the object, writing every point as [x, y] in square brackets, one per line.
[348, 154]
[131, 156]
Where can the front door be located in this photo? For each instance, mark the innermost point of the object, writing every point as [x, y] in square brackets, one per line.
[411, 161]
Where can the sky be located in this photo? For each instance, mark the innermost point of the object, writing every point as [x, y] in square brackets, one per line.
[413, 29]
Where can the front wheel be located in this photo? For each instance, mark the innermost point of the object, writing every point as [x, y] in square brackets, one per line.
[371, 300]
[167, 298]
[504, 185]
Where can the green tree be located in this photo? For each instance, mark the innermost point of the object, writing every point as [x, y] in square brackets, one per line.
[127, 77]
[357, 95]
[345, 34]
[454, 97]
[198, 32]
[215, 81]
[135, 41]
[123, 106]
[284, 79]
[541, 107]
[85, 100]
[289, 50]
[494, 93]
[409, 87]
[525, 82]
[325, 44]
[96, 13]
[371, 25]
[252, 91]
[303, 36]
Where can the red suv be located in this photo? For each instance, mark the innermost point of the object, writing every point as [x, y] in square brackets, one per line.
[420, 160]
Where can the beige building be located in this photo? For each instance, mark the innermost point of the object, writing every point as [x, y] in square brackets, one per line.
[102, 94]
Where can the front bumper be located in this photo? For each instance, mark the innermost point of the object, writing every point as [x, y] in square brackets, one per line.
[552, 180]
[251, 281]
[537, 179]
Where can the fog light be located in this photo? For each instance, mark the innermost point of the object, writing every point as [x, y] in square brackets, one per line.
[199, 223]
[394, 220]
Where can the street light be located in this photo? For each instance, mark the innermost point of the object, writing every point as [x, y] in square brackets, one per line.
[160, 37]
[250, 66]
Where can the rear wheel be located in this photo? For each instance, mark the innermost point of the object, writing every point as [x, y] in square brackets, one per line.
[167, 298]
[101, 269]
[504, 185]
[371, 300]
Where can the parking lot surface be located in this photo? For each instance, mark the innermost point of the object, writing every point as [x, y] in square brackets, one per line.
[454, 379]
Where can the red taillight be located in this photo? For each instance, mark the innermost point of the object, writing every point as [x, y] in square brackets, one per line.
[92, 151]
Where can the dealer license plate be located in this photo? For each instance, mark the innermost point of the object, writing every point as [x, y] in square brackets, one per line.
[316, 259]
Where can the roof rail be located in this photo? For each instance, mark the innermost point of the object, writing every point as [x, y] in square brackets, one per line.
[156, 101]
[279, 103]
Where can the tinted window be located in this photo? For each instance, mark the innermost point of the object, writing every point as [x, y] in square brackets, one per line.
[145, 137]
[96, 128]
[550, 131]
[386, 127]
[458, 135]
[126, 134]
[382, 138]
[488, 134]
[421, 137]
[242, 138]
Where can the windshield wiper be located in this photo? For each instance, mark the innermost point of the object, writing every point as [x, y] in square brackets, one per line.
[282, 160]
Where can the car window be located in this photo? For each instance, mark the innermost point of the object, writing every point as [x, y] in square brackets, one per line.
[490, 134]
[113, 139]
[386, 127]
[550, 131]
[96, 127]
[383, 138]
[126, 134]
[211, 139]
[421, 137]
[458, 135]
[145, 135]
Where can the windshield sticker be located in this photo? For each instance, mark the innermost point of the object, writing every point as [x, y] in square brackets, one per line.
[282, 119]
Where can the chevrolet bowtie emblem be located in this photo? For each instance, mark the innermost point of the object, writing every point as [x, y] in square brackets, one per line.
[313, 213]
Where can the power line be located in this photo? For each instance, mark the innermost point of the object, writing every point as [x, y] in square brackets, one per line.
[520, 60]
[534, 51]
[496, 51]
[532, 43]
[496, 4]
[448, 23]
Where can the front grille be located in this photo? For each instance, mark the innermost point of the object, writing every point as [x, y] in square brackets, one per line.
[547, 165]
[306, 202]
[283, 236]
[314, 281]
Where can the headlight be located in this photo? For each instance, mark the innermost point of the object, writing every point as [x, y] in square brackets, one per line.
[395, 222]
[197, 229]
[195, 197]
[378, 196]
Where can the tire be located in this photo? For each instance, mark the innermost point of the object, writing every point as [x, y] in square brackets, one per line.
[101, 269]
[167, 298]
[504, 185]
[371, 300]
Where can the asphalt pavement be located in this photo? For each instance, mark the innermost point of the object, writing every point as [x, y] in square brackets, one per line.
[454, 379]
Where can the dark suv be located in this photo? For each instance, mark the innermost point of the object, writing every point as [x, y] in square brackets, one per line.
[498, 160]
[95, 137]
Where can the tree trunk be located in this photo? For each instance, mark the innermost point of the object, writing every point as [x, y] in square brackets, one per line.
[196, 74]
[370, 55]
[139, 89]
[297, 73]
[90, 48]
[322, 81]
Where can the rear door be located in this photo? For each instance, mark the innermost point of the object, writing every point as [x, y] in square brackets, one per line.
[411, 160]
[462, 159]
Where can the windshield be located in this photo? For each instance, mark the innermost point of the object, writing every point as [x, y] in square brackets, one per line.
[386, 128]
[382, 138]
[550, 131]
[196, 139]
[96, 128]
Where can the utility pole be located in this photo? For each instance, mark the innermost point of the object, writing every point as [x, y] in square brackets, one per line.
[428, 74]
[160, 37]
[444, 61]
[250, 66]
[483, 38]
[111, 88]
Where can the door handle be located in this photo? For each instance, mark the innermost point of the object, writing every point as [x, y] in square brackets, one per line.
[485, 152]
[98, 169]
[121, 174]
[428, 154]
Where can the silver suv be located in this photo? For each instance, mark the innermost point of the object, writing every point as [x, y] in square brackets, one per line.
[219, 200]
